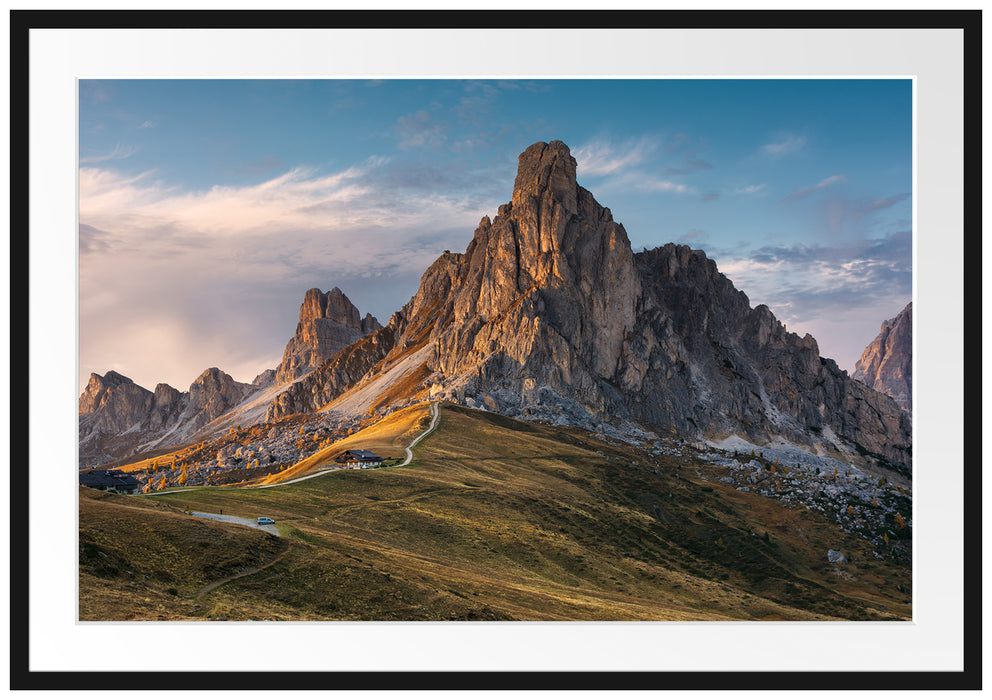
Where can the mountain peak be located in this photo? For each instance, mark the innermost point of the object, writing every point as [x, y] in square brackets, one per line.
[546, 167]
[328, 323]
[886, 365]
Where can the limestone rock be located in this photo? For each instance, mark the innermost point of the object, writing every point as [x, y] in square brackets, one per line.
[886, 365]
[117, 417]
[328, 323]
[116, 401]
[211, 395]
[264, 379]
[836, 557]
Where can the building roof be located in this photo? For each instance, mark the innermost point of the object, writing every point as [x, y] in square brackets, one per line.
[360, 454]
[107, 478]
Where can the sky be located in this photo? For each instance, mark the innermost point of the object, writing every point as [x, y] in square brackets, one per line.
[208, 207]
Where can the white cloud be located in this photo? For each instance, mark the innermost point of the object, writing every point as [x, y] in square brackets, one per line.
[651, 184]
[750, 189]
[604, 158]
[784, 145]
[172, 282]
[804, 192]
[120, 152]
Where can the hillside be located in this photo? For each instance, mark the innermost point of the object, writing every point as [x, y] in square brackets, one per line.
[144, 560]
[500, 519]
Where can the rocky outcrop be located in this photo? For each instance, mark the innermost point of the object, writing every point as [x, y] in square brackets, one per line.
[116, 402]
[548, 314]
[211, 395]
[334, 377]
[886, 365]
[329, 322]
[118, 417]
[264, 379]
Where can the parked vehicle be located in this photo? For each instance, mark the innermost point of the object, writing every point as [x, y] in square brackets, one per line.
[266, 521]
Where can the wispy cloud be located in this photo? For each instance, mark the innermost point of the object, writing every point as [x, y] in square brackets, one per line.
[691, 163]
[693, 235]
[751, 189]
[804, 192]
[880, 204]
[420, 130]
[371, 229]
[783, 145]
[812, 286]
[602, 157]
[650, 184]
[120, 152]
[805, 280]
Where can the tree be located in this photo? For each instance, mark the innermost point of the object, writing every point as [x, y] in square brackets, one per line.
[900, 523]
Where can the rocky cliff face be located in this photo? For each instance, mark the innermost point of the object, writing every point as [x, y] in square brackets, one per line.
[548, 314]
[115, 402]
[329, 322]
[118, 417]
[886, 365]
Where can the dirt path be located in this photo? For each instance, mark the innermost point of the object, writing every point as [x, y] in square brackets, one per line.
[216, 584]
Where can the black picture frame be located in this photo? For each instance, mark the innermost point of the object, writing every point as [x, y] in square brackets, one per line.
[22, 678]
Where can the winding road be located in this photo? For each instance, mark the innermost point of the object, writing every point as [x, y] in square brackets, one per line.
[435, 419]
[271, 529]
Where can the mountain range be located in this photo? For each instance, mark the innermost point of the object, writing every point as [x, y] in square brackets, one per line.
[547, 316]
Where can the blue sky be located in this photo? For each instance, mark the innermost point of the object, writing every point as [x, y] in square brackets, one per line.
[207, 207]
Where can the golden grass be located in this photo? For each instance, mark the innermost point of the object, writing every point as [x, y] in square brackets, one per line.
[141, 559]
[387, 438]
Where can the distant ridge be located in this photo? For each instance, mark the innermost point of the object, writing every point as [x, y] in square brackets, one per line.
[886, 365]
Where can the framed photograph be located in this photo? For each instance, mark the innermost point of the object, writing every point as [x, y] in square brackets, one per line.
[513, 355]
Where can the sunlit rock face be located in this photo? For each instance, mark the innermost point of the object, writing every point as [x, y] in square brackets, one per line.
[329, 322]
[886, 365]
[549, 315]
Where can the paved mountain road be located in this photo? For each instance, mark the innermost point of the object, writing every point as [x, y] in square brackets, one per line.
[239, 521]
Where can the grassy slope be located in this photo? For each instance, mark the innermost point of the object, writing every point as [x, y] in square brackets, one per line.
[387, 438]
[498, 519]
[144, 560]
